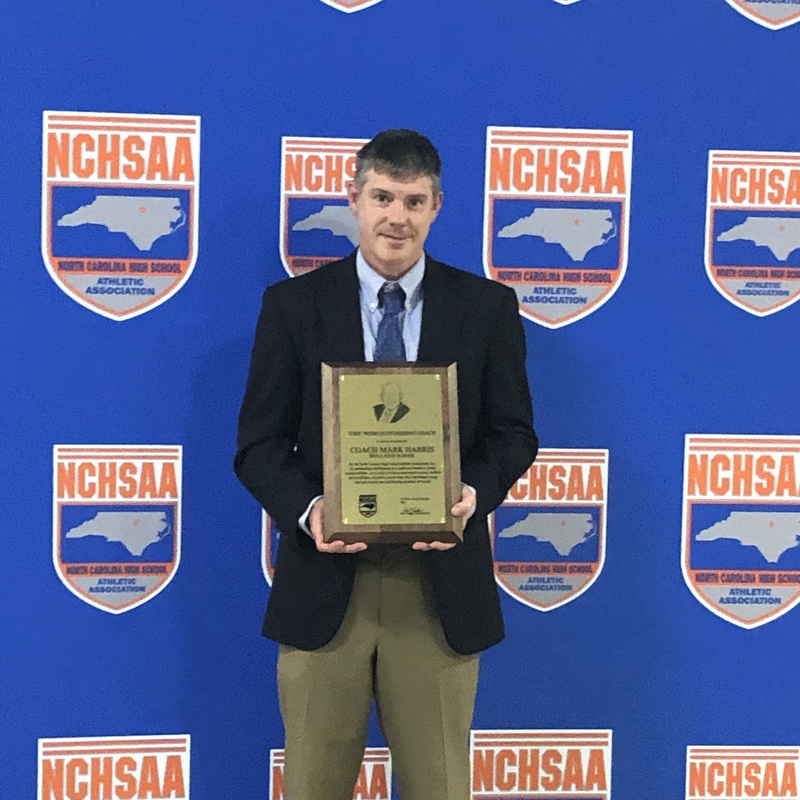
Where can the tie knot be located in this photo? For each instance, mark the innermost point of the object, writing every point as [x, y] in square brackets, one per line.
[392, 298]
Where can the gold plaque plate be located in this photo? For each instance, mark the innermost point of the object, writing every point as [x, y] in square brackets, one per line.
[390, 451]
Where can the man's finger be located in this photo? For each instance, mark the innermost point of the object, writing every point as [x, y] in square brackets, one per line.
[465, 507]
[341, 547]
[316, 521]
[462, 509]
[433, 545]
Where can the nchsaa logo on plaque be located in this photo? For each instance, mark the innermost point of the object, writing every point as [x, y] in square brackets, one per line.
[374, 778]
[741, 773]
[116, 521]
[556, 215]
[155, 767]
[741, 522]
[317, 225]
[753, 229]
[549, 535]
[773, 14]
[120, 198]
[527, 765]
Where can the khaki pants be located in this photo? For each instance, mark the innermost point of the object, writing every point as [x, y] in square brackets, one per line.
[390, 647]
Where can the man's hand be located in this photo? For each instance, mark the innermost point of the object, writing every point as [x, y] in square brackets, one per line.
[464, 508]
[316, 522]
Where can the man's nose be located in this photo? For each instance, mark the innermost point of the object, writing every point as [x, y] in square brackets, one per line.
[397, 212]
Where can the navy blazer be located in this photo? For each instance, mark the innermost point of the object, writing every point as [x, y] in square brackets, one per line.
[316, 318]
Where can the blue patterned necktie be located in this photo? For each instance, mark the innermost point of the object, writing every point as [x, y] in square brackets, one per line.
[389, 345]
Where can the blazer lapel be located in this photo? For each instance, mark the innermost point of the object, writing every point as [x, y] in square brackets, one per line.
[441, 315]
[339, 309]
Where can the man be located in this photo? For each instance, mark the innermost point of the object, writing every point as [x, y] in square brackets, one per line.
[391, 408]
[402, 625]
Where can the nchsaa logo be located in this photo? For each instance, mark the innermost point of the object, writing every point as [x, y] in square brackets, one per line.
[156, 767]
[549, 535]
[374, 779]
[517, 764]
[773, 14]
[349, 6]
[741, 773]
[741, 520]
[120, 197]
[753, 229]
[556, 218]
[116, 521]
[317, 225]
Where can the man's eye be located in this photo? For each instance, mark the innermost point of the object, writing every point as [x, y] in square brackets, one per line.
[382, 198]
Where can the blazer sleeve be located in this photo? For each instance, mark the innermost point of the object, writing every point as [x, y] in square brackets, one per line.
[509, 443]
[267, 462]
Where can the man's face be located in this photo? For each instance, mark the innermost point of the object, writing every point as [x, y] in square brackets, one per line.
[390, 395]
[393, 219]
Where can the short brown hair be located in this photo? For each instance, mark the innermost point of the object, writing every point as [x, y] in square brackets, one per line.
[401, 154]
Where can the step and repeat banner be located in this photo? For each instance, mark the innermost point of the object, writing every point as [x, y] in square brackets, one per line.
[631, 170]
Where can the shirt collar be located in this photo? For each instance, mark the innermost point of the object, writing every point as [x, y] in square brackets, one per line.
[370, 282]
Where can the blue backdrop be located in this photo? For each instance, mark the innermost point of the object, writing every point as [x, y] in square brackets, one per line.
[667, 355]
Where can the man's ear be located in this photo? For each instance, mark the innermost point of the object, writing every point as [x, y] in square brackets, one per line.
[352, 196]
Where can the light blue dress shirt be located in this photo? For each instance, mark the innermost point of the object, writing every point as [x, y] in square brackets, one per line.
[369, 284]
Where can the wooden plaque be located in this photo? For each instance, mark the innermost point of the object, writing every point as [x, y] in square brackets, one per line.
[391, 454]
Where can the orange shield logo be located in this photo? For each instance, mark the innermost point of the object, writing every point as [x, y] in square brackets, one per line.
[741, 523]
[773, 14]
[541, 764]
[549, 536]
[120, 197]
[96, 766]
[753, 229]
[374, 778]
[556, 218]
[317, 225]
[116, 521]
[717, 771]
[349, 6]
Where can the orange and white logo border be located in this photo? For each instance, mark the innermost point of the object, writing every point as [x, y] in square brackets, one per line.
[117, 122]
[268, 557]
[373, 756]
[314, 146]
[622, 139]
[711, 442]
[742, 158]
[172, 452]
[156, 744]
[773, 25]
[744, 754]
[509, 739]
[597, 457]
[349, 8]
